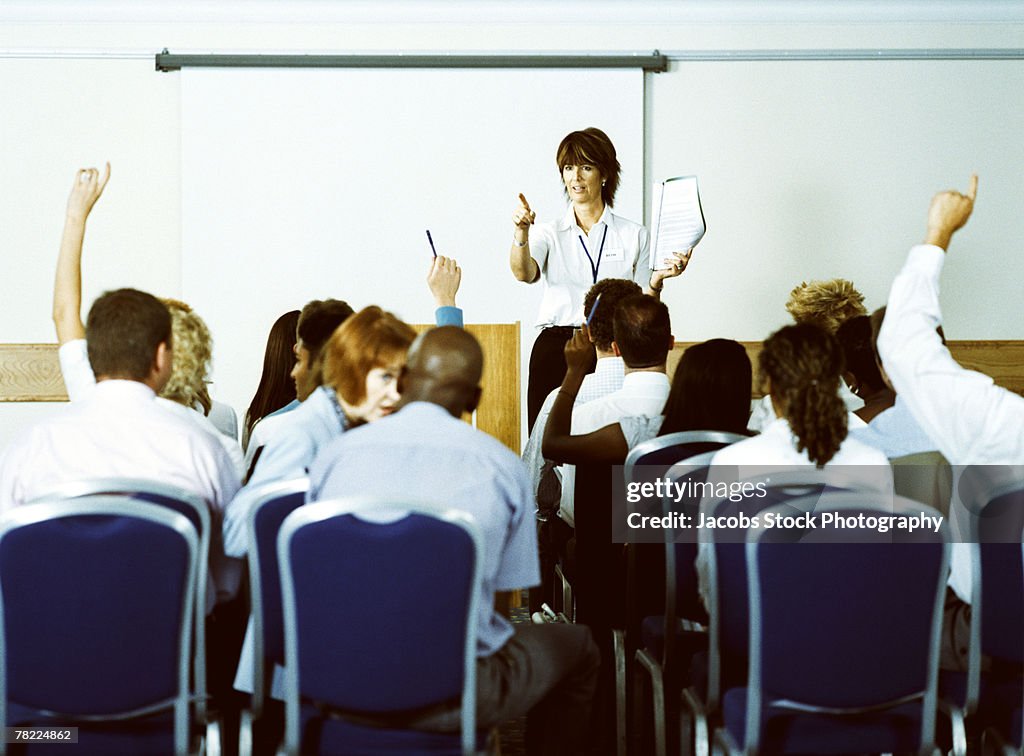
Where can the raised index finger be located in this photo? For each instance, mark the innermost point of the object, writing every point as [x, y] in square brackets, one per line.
[525, 203]
[972, 192]
[105, 179]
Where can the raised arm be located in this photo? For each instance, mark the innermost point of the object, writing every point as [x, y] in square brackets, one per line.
[443, 280]
[970, 419]
[524, 267]
[67, 285]
[605, 445]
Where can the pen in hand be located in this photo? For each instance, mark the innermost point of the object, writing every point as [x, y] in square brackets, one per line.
[593, 309]
[430, 239]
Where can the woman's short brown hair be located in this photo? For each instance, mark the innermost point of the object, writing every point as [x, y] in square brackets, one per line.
[371, 338]
[592, 147]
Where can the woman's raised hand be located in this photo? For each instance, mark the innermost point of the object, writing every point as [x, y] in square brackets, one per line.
[85, 191]
[523, 217]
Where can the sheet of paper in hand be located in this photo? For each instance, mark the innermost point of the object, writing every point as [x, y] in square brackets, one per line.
[677, 220]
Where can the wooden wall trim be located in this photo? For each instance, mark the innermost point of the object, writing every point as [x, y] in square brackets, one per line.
[1003, 360]
[31, 373]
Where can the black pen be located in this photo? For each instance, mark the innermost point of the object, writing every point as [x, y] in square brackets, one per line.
[429, 239]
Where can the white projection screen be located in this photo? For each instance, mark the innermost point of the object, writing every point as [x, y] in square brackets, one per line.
[302, 184]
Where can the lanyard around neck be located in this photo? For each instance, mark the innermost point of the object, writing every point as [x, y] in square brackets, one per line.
[594, 267]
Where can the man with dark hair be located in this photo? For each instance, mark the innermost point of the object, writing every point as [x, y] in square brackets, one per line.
[549, 671]
[120, 429]
[115, 315]
[643, 338]
[317, 321]
[607, 377]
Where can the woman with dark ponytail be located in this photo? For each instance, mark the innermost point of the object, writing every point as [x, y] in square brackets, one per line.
[801, 367]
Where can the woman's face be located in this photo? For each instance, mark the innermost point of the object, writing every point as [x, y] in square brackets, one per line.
[381, 395]
[582, 182]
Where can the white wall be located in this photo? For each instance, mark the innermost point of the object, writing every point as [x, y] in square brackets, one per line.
[78, 87]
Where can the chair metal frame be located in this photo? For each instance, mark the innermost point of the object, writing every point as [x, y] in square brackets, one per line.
[314, 513]
[115, 506]
[267, 493]
[131, 488]
[660, 443]
[656, 668]
[842, 502]
[633, 459]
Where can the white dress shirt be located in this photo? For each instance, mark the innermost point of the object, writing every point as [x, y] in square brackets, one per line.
[567, 273]
[606, 378]
[120, 430]
[970, 419]
[80, 380]
[642, 393]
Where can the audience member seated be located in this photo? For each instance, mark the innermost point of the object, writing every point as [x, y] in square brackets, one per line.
[710, 391]
[276, 392]
[552, 532]
[643, 338]
[862, 375]
[317, 321]
[359, 366]
[963, 414]
[546, 670]
[970, 419]
[826, 304]
[801, 365]
[185, 392]
[609, 371]
[119, 429]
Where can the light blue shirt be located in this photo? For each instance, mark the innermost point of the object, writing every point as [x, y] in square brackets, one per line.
[288, 455]
[427, 452]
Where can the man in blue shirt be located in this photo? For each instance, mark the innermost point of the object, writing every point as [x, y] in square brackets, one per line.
[546, 670]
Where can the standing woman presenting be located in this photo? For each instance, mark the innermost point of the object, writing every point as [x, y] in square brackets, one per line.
[573, 253]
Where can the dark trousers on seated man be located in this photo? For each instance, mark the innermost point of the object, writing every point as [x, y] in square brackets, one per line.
[546, 672]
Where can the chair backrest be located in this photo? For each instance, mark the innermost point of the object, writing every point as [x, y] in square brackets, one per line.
[994, 497]
[818, 594]
[92, 593]
[664, 451]
[380, 609]
[272, 504]
[727, 572]
[181, 501]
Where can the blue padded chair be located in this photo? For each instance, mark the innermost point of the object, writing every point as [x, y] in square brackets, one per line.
[198, 513]
[96, 604]
[665, 639]
[844, 632]
[380, 625]
[727, 580]
[994, 498]
[272, 504]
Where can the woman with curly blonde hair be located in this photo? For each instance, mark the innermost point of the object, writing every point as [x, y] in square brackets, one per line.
[193, 352]
[827, 305]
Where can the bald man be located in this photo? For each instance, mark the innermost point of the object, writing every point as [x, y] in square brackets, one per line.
[546, 670]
